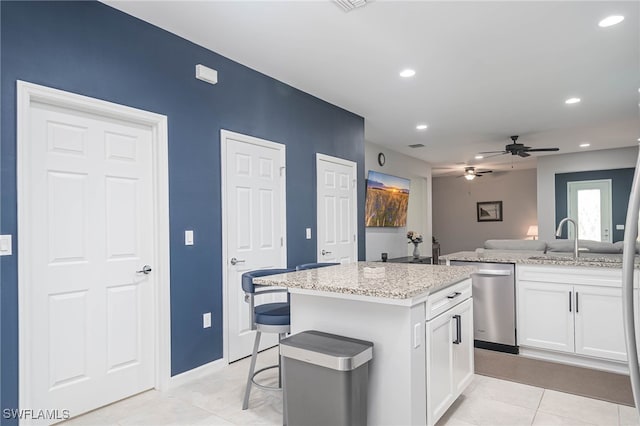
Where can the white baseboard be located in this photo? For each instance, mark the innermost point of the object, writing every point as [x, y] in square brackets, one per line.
[197, 373]
[576, 360]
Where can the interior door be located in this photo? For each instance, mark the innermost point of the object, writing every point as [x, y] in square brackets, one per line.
[589, 204]
[337, 233]
[255, 226]
[91, 224]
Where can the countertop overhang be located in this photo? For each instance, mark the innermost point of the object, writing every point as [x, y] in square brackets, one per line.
[399, 281]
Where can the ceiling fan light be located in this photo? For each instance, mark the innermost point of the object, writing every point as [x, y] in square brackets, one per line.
[469, 176]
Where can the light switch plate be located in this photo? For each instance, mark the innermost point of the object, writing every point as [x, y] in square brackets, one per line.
[188, 238]
[308, 233]
[619, 227]
[5, 245]
[206, 320]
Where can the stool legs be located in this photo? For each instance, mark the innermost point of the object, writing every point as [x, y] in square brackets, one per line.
[254, 356]
[280, 337]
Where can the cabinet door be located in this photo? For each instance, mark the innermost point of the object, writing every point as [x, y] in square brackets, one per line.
[440, 393]
[462, 316]
[598, 322]
[545, 315]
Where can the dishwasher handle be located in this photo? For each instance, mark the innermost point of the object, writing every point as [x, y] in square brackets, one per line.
[499, 272]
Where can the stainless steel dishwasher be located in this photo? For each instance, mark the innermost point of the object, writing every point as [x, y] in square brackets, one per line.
[494, 306]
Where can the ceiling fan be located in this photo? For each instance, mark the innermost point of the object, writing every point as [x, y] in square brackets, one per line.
[470, 173]
[520, 149]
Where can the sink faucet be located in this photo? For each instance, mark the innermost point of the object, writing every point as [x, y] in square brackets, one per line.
[575, 228]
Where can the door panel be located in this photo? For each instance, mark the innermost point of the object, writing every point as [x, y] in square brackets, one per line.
[336, 210]
[254, 209]
[554, 330]
[440, 388]
[463, 363]
[589, 204]
[599, 323]
[92, 222]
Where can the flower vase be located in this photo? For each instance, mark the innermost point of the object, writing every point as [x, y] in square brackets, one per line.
[416, 252]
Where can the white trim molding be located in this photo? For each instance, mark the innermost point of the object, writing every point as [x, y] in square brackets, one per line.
[27, 94]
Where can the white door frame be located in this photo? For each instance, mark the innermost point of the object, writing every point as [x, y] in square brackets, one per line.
[224, 136]
[27, 93]
[354, 189]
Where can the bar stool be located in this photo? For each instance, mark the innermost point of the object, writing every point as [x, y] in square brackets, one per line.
[305, 266]
[268, 318]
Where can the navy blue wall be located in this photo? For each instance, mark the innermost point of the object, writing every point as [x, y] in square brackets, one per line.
[94, 50]
[621, 180]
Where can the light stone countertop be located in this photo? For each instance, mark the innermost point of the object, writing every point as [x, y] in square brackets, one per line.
[600, 260]
[399, 281]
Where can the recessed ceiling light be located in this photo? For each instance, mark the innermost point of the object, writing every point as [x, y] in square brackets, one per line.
[611, 20]
[479, 157]
[421, 127]
[407, 73]
[584, 145]
[572, 101]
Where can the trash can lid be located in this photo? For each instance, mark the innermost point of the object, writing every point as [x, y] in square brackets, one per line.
[327, 350]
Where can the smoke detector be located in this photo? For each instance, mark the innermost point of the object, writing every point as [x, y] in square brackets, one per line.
[349, 5]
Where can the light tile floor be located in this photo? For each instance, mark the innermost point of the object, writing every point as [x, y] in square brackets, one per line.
[217, 400]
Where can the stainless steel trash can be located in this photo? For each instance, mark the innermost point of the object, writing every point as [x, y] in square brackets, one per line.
[325, 379]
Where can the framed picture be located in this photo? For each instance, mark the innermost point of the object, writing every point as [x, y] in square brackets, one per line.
[489, 211]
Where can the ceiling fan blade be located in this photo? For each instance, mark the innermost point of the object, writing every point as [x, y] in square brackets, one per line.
[495, 155]
[493, 152]
[543, 149]
[484, 171]
[523, 154]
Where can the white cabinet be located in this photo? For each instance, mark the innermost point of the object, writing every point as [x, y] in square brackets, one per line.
[571, 310]
[545, 319]
[449, 358]
[599, 329]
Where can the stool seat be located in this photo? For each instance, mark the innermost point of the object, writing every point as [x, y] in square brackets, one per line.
[273, 314]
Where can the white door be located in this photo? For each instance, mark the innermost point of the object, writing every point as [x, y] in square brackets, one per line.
[554, 329]
[337, 232]
[599, 324]
[254, 234]
[91, 227]
[589, 204]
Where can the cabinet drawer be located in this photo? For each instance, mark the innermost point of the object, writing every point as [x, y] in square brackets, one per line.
[448, 297]
[571, 275]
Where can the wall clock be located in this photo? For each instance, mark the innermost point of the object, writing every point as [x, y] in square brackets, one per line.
[381, 159]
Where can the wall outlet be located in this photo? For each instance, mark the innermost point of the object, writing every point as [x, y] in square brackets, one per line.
[308, 233]
[206, 320]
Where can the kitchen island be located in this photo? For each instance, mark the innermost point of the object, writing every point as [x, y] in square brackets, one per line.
[419, 318]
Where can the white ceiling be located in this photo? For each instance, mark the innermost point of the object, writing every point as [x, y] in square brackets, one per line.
[484, 70]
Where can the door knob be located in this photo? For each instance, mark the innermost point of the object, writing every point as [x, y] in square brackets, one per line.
[234, 261]
[324, 252]
[146, 269]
